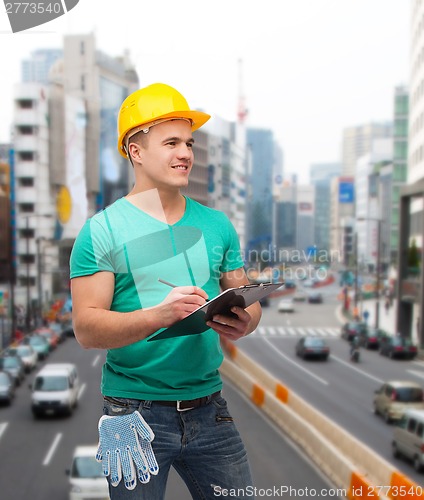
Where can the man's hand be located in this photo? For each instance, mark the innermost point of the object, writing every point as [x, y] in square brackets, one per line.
[179, 303]
[232, 328]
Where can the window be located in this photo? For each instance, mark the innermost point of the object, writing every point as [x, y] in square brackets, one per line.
[26, 207]
[25, 103]
[412, 425]
[26, 181]
[401, 151]
[26, 155]
[23, 281]
[420, 428]
[27, 258]
[26, 129]
[399, 173]
[26, 233]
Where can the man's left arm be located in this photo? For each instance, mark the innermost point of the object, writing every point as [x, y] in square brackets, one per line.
[245, 320]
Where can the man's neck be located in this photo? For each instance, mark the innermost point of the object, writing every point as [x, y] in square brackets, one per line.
[168, 207]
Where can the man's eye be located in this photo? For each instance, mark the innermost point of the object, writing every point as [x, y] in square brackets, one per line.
[189, 144]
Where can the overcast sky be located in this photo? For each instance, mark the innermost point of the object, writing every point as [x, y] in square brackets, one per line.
[310, 67]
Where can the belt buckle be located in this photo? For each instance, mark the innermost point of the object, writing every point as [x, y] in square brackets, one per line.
[183, 409]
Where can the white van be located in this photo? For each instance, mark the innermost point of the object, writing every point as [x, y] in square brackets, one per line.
[408, 438]
[55, 389]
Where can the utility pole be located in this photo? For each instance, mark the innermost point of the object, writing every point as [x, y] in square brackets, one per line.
[28, 290]
[377, 284]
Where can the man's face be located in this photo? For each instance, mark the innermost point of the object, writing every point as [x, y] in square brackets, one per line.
[167, 159]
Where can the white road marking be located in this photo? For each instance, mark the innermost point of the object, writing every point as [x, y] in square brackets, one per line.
[358, 370]
[3, 427]
[52, 449]
[416, 373]
[81, 391]
[95, 361]
[282, 355]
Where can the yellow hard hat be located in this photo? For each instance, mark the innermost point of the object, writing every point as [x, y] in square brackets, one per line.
[151, 105]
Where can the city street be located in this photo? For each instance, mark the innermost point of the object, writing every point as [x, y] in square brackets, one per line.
[39, 451]
[341, 390]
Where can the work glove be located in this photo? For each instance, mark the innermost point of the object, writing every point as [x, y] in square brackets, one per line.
[125, 445]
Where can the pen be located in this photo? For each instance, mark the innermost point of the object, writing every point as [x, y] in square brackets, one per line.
[171, 285]
[167, 283]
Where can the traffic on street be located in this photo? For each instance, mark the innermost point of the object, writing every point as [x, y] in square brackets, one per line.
[43, 446]
[341, 390]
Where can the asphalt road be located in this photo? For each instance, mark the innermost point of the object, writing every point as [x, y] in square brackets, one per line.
[36, 453]
[338, 388]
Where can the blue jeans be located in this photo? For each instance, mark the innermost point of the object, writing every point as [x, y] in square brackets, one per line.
[203, 445]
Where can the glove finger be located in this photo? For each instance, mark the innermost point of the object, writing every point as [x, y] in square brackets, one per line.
[99, 453]
[149, 456]
[141, 464]
[128, 469]
[115, 467]
[142, 427]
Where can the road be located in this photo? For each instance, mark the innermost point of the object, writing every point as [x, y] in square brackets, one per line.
[341, 390]
[36, 453]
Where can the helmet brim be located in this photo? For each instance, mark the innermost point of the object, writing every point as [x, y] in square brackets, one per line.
[197, 118]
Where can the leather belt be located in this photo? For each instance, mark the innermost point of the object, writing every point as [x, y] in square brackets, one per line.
[189, 404]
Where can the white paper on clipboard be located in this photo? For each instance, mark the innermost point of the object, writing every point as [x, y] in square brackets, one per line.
[195, 322]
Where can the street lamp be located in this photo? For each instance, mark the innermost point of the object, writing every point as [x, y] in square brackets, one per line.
[28, 233]
[378, 265]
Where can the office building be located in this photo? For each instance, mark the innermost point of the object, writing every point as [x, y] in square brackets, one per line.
[410, 280]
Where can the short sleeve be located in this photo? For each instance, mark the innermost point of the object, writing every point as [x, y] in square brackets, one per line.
[232, 258]
[91, 252]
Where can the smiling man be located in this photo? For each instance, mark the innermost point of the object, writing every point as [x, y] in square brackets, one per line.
[163, 405]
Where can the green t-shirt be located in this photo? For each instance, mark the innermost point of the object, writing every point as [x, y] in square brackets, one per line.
[139, 249]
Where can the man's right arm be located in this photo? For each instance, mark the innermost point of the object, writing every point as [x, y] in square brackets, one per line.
[97, 327]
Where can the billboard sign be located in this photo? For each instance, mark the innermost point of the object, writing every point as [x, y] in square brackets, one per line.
[346, 192]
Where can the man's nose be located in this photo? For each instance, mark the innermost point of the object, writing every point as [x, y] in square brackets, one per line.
[184, 151]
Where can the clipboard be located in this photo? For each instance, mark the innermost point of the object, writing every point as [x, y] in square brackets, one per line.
[195, 322]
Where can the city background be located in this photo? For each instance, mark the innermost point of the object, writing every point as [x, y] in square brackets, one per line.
[61, 165]
[345, 233]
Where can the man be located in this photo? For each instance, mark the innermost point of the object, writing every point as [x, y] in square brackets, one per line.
[162, 401]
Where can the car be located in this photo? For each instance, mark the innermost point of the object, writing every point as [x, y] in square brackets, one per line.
[14, 366]
[50, 335]
[27, 354]
[315, 298]
[286, 305]
[300, 295]
[370, 337]
[397, 347]
[86, 479]
[351, 329]
[40, 345]
[309, 283]
[394, 397]
[55, 390]
[59, 330]
[7, 387]
[408, 438]
[312, 347]
[289, 284]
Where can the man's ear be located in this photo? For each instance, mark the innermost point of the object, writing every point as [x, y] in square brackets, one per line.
[134, 152]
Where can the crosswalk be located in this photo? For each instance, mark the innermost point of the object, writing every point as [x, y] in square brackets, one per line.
[295, 331]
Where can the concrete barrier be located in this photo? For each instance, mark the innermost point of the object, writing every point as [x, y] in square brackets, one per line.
[348, 462]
